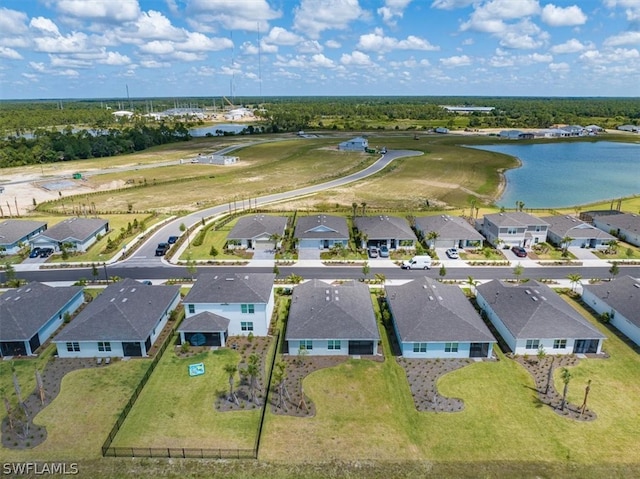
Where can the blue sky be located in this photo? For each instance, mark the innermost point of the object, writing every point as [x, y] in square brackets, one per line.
[210, 48]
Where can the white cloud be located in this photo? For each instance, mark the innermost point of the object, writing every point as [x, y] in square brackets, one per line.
[115, 59]
[570, 46]
[231, 15]
[158, 47]
[392, 9]
[315, 16]
[75, 42]
[12, 22]
[108, 10]
[540, 58]
[378, 42]
[624, 38]
[608, 56]
[632, 8]
[522, 35]
[451, 4]
[559, 67]
[356, 58]
[321, 61]
[562, 17]
[332, 44]
[44, 25]
[197, 42]
[9, 53]
[153, 25]
[309, 46]
[154, 64]
[281, 36]
[456, 61]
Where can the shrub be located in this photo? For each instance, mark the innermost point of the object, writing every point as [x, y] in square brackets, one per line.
[185, 347]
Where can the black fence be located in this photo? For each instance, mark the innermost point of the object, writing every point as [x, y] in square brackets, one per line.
[182, 452]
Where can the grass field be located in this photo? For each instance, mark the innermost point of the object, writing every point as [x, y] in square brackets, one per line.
[175, 410]
[82, 415]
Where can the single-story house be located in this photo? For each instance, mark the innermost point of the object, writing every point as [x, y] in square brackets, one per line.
[245, 299]
[573, 130]
[331, 320]
[256, 232]
[619, 298]
[204, 329]
[631, 128]
[531, 316]
[390, 231]
[514, 228]
[452, 231]
[321, 231]
[435, 320]
[625, 226]
[80, 233]
[123, 321]
[594, 129]
[582, 234]
[510, 134]
[13, 233]
[214, 159]
[355, 144]
[30, 314]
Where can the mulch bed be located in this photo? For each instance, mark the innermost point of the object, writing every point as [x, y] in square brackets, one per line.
[542, 372]
[52, 376]
[246, 347]
[423, 375]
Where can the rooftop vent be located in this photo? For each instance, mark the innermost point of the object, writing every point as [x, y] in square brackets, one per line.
[124, 300]
[430, 298]
[534, 298]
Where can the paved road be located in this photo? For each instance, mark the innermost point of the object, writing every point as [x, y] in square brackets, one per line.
[145, 254]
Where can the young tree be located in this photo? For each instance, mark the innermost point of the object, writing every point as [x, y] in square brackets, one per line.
[276, 238]
[364, 208]
[432, 237]
[94, 272]
[566, 241]
[279, 377]
[442, 272]
[614, 270]
[253, 371]
[354, 209]
[366, 269]
[213, 251]
[565, 375]
[231, 370]
[517, 271]
[574, 280]
[191, 266]
[9, 274]
[472, 284]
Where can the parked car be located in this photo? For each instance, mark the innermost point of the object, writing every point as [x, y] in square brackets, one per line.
[45, 252]
[162, 249]
[417, 262]
[452, 253]
[373, 252]
[35, 252]
[519, 251]
[383, 251]
[172, 239]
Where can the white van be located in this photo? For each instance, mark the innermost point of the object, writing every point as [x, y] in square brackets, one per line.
[418, 262]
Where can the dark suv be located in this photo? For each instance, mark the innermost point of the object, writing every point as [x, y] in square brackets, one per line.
[519, 251]
[162, 249]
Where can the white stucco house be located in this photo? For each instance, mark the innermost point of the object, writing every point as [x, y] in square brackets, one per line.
[515, 228]
[355, 144]
[531, 316]
[390, 231]
[246, 300]
[625, 226]
[620, 298]
[30, 314]
[256, 231]
[435, 320]
[321, 231]
[125, 320]
[583, 235]
[452, 232]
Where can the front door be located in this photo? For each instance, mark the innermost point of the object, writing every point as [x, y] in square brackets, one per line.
[325, 244]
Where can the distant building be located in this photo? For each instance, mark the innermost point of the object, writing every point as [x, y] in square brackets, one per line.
[355, 144]
[468, 109]
[441, 130]
[625, 226]
[631, 128]
[217, 159]
[80, 233]
[15, 232]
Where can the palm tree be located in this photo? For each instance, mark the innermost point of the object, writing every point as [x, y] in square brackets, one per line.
[231, 370]
[432, 237]
[354, 209]
[566, 377]
[612, 246]
[472, 284]
[276, 238]
[574, 279]
[279, 376]
[364, 207]
[566, 241]
[253, 371]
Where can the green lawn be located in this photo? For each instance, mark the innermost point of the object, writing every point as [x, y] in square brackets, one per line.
[84, 412]
[176, 410]
[25, 370]
[365, 411]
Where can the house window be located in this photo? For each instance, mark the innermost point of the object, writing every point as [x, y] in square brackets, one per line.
[246, 325]
[248, 308]
[450, 347]
[512, 231]
[419, 347]
[73, 347]
[306, 345]
[532, 344]
[334, 344]
[559, 343]
[192, 309]
[104, 346]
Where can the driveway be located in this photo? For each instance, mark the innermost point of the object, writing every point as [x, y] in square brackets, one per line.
[309, 253]
[582, 253]
[264, 251]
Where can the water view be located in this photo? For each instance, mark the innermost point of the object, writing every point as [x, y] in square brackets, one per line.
[569, 174]
[216, 129]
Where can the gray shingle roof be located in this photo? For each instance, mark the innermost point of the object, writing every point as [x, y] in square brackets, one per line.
[80, 229]
[514, 218]
[124, 311]
[448, 227]
[383, 227]
[563, 225]
[249, 227]
[12, 231]
[323, 311]
[626, 221]
[330, 227]
[231, 288]
[622, 294]
[425, 310]
[205, 322]
[25, 310]
[533, 310]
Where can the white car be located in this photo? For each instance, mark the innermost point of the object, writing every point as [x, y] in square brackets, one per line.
[452, 253]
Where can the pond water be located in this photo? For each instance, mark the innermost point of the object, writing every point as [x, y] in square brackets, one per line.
[228, 127]
[567, 174]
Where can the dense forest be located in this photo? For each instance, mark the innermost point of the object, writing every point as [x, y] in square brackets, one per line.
[60, 130]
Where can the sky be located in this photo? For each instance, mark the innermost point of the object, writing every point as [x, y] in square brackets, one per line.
[215, 48]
